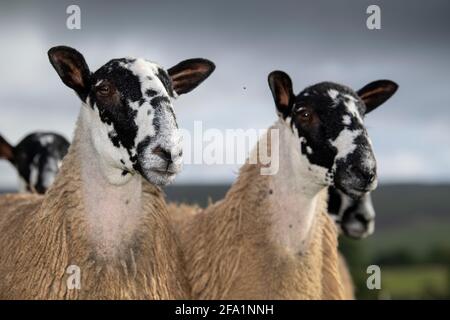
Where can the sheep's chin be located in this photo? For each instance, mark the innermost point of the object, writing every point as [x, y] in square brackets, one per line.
[159, 178]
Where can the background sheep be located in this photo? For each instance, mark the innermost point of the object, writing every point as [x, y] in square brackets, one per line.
[37, 159]
[355, 218]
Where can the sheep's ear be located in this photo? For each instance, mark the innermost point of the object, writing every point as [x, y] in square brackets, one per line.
[281, 86]
[188, 74]
[71, 68]
[6, 150]
[376, 93]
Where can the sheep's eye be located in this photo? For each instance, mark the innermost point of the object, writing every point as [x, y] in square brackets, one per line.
[304, 115]
[104, 90]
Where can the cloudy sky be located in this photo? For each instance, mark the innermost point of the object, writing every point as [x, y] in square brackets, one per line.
[312, 40]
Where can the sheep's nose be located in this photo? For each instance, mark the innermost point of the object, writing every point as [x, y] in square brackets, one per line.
[371, 176]
[367, 177]
[163, 154]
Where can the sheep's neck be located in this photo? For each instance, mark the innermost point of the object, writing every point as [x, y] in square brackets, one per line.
[112, 212]
[294, 194]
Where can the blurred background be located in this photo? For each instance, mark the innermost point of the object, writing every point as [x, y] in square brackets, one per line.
[311, 40]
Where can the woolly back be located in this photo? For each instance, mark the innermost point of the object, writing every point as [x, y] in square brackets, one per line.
[229, 253]
[50, 242]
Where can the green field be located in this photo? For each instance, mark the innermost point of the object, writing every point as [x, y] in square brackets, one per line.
[426, 282]
[418, 237]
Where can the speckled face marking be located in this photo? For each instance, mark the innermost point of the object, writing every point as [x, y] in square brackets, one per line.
[37, 159]
[129, 110]
[327, 118]
[132, 98]
[355, 218]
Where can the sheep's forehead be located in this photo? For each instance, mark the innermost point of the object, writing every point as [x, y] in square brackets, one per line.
[340, 111]
[146, 76]
[333, 99]
[337, 106]
[140, 67]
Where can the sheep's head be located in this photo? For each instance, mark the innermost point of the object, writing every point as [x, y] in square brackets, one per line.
[355, 218]
[36, 158]
[131, 118]
[327, 119]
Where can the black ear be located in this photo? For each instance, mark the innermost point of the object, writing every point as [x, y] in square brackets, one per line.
[6, 150]
[71, 68]
[281, 86]
[376, 93]
[188, 74]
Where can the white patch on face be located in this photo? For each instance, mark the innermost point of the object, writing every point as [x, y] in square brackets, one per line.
[169, 136]
[34, 170]
[350, 97]
[369, 162]
[144, 119]
[99, 132]
[309, 150]
[346, 120]
[46, 140]
[355, 228]
[142, 69]
[351, 107]
[333, 94]
[344, 143]
[49, 172]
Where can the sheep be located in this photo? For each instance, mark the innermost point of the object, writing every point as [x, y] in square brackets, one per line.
[271, 236]
[348, 287]
[36, 158]
[355, 218]
[102, 231]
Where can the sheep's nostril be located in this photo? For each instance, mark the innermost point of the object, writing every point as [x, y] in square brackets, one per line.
[371, 177]
[367, 176]
[361, 218]
[163, 154]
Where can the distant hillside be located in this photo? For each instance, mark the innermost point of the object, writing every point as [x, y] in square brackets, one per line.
[394, 202]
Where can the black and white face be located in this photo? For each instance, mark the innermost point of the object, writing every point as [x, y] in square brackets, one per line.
[355, 218]
[37, 159]
[327, 119]
[129, 109]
